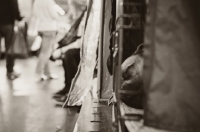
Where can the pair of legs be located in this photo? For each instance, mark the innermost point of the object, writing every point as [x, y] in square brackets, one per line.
[48, 41]
[70, 65]
[7, 31]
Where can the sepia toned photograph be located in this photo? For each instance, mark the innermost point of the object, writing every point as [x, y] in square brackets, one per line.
[99, 66]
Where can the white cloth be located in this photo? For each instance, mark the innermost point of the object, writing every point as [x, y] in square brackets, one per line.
[80, 32]
[46, 14]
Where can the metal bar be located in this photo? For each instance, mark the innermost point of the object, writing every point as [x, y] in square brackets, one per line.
[129, 27]
[129, 92]
[127, 16]
[131, 4]
[104, 100]
[100, 49]
[132, 117]
[119, 62]
[96, 121]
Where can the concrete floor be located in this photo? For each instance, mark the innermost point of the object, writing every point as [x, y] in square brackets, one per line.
[26, 104]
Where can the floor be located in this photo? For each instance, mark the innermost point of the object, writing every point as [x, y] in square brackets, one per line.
[26, 104]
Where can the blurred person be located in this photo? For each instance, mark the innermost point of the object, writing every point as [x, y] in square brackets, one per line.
[46, 15]
[9, 12]
[71, 53]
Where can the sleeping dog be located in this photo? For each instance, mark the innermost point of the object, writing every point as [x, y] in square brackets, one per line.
[132, 80]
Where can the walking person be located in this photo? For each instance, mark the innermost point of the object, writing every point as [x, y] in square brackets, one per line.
[45, 13]
[9, 12]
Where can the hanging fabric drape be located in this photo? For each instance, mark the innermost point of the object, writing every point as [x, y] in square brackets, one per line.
[172, 65]
[82, 82]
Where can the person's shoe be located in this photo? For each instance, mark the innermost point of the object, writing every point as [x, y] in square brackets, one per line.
[12, 75]
[60, 93]
[53, 76]
[43, 77]
[61, 99]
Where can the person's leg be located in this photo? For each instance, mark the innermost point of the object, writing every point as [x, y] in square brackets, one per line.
[8, 33]
[48, 41]
[47, 70]
[70, 65]
[24, 31]
[71, 62]
[0, 43]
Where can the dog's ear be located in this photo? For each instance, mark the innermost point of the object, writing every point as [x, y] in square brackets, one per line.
[139, 49]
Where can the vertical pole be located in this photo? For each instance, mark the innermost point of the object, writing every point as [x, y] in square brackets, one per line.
[120, 11]
[100, 49]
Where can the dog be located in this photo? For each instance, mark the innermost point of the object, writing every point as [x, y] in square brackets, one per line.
[132, 79]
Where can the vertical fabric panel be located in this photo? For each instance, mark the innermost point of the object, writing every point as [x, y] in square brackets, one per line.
[172, 65]
[82, 82]
[106, 88]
